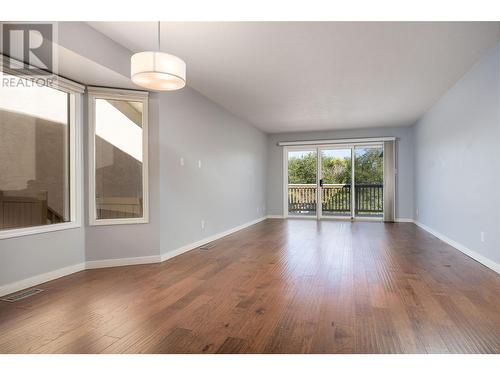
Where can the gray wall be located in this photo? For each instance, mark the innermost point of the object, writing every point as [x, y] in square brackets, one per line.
[457, 173]
[27, 256]
[404, 164]
[229, 189]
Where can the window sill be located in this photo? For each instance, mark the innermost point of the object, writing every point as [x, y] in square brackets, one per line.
[20, 232]
[118, 221]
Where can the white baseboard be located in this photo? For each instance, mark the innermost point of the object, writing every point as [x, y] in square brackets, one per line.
[464, 249]
[40, 279]
[194, 245]
[398, 220]
[403, 220]
[105, 263]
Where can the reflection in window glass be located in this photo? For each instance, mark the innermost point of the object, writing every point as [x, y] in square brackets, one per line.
[118, 159]
[34, 155]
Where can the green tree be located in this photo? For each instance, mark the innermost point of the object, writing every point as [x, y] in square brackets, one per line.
[369, 164]
[336, 170]
[302, 170]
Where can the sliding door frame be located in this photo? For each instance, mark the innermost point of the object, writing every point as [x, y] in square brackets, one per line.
[286, 150]
[318, 147]
[366, 145]
[320, 176]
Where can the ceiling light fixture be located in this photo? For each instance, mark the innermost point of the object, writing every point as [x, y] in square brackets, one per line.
[158, 70]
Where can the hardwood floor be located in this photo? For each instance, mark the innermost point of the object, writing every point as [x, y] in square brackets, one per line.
[296, 286]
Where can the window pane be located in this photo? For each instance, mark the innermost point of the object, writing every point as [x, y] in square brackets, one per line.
[34, 155]
[118, 158]
[336, 173]
[302, 182]
[369, 181]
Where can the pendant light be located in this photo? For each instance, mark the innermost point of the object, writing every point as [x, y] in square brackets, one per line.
[158, 70]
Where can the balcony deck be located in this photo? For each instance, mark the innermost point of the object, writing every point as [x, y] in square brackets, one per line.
[336, 200]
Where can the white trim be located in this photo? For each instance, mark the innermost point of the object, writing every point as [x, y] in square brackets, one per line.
[275, 217]
[106, 263]
[335, 141]
[284, 180]
[368, 218]
[464, 249]
[29, 231]
[403, 220]
[117, 94]
[302, 217]
[314, 146]
[194, 245]
[319, 189]
[76, 160]
[40, 279]
[75, 163]
[394, 177]
[353, 182]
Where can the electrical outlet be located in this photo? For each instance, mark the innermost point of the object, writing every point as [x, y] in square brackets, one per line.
[416, 212]
[482, 237]
[203, 225]
[182, 162]
[199, 163]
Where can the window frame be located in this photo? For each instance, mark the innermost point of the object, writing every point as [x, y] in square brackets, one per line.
[75, 157]
[94, 93]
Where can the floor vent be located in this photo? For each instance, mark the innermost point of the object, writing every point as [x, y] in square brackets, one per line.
[207, 246]
[22, 295]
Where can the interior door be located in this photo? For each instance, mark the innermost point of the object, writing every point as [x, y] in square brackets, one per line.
[301, 182]
[335, 182]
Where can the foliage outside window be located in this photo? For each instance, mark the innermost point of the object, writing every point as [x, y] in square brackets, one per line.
[335, 169]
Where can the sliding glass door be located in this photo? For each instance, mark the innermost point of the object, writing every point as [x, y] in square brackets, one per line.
[369, 181]
[347, 179]
[302, 180]
[335, 182]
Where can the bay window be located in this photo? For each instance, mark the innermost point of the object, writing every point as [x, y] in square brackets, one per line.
[39, 150]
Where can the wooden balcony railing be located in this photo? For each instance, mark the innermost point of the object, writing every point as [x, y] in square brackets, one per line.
[368, 198]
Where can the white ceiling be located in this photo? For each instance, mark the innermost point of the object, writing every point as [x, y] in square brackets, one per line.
[296, 76]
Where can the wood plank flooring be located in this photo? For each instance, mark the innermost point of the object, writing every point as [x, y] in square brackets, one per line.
[280, 286]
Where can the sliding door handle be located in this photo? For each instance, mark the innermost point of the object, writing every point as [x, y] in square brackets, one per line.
[321, 182]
